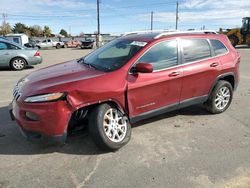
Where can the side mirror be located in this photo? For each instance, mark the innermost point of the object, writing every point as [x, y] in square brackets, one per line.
[143, 68]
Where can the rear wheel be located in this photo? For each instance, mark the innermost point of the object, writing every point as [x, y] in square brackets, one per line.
[18, 63]
[109, 128]
[220, 98]
[233, 39]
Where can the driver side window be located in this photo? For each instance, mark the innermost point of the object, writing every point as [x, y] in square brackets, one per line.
[161, 56]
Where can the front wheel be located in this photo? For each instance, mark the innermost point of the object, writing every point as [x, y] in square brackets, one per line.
[220, 98]
[109, 127]
[58, 46]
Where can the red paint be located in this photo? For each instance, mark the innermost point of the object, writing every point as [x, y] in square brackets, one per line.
[144, 68]
[37, 54]
[143, 91]
[73, 44]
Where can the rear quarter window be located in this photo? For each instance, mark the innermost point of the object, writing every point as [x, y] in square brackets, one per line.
[195, 49]
[218, 46]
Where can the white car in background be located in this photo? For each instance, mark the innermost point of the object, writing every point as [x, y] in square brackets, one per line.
[49, 43]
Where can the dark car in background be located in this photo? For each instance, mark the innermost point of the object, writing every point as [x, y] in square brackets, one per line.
[32, 43]
[88, 43]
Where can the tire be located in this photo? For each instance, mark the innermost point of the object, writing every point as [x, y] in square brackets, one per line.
[18, 63]
[102, 133]
[233, 39]
[220, 98]
[58, 46]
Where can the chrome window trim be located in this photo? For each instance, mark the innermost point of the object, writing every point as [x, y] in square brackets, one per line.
[182, 64]
[178, 52]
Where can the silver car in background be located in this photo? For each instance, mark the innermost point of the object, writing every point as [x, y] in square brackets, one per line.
[16, 56]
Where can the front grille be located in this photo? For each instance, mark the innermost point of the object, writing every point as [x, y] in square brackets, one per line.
[16, 93]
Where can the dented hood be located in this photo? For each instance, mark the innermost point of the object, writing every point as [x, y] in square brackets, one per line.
[57, 75]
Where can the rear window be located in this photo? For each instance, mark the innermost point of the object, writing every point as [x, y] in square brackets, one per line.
[195, 49]
[218, 46]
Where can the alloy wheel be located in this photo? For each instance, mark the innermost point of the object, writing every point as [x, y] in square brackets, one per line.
[115, 125]
[222, 98]
[18, 64]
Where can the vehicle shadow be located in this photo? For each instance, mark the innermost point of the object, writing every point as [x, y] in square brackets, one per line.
[9, 69]
[13, 143]
[81, 49]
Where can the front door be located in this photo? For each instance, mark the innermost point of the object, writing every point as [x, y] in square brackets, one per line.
[149, 92]
[4, 54]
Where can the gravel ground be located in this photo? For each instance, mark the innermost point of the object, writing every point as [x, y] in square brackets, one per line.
[185, 148]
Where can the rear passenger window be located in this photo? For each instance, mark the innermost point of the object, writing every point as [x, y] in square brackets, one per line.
[161, 56]
[195, 49]
[219, 47]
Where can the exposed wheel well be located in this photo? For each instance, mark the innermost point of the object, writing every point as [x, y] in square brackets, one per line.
[80, 116]
[230, 79]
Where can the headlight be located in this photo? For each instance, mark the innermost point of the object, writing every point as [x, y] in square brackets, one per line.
[45, 98]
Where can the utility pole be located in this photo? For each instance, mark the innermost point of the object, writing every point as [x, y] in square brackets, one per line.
[4, 18]
[70, 30]
[177, 15]
[98, 24]
[152, 20]
[4, 32]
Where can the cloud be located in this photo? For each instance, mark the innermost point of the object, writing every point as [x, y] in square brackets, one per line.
[44, 6]
[212, 13]
[66, 4]
[228, 4]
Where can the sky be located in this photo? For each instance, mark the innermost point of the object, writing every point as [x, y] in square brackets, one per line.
[119, 16]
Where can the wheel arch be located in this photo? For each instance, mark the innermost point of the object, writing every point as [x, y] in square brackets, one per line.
[109, 101]
[230, 77]
[84, 110]
[24, 58]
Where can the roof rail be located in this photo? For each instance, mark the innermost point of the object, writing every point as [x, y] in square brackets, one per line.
[185, 32]
[147, 31]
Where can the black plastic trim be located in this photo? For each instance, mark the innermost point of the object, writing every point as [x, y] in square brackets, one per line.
[221, 77]
[172, 107]
[153, 113]
[38, 137]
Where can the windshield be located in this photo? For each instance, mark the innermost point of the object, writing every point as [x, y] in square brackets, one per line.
[114, 54]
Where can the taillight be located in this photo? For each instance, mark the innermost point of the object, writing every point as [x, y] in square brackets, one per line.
[37, 54]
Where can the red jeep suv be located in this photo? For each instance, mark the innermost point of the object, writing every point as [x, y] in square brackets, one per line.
[134, 77]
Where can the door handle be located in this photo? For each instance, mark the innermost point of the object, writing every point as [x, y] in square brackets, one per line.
[214, 64]
[6, 54]
[174, 74]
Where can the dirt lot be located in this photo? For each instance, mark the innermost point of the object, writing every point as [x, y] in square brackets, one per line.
[186, 148]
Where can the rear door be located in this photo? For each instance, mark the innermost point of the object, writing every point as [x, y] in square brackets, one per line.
[152, 91]
[200, 68]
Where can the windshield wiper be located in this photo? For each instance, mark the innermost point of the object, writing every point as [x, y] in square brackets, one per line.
[81, 60]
